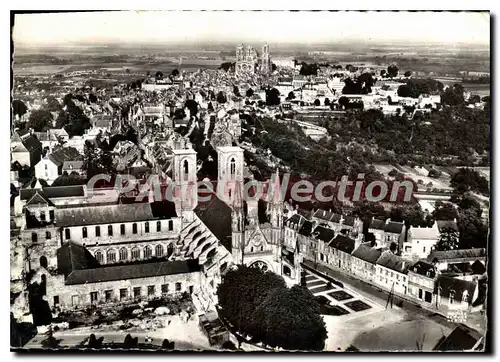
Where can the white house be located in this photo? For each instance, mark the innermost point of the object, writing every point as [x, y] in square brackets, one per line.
[420, 241]
[51, 167]
[392, 272]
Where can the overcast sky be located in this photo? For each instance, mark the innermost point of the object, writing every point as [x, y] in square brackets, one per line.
[273, 27]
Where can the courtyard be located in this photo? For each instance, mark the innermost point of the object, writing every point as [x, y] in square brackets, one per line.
[366, 324]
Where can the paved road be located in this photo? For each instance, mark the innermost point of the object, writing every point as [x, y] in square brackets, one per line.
[381, 296]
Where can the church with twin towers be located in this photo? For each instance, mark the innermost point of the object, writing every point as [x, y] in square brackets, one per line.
[249, 61]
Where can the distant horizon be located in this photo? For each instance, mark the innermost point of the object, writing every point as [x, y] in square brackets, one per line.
[226, 29]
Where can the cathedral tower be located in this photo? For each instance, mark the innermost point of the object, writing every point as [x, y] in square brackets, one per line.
[230, 171]
[265, 62]
[184, 178]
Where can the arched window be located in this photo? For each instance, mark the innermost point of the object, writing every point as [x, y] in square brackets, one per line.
[123, 254]
[99, 257]
[134, 228]
[251, 249]
[97, 231]
[223, 267]
[185, 169]
[287, 271]
[84, 232]
[465, 296]
[147, 252]
[205, 248]
[122, 229]
[158, 226]
[135, 253]
[211, 253]
[170, 250]
[159, 250]
[110, 230]
[43, 262]
[232, 168]
[111, 256]
[34, 237]
[170, 225]
[146, 227]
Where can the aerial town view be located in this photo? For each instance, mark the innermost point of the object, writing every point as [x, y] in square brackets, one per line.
[225, 186]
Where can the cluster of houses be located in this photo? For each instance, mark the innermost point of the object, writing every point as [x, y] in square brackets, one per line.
[436, 279]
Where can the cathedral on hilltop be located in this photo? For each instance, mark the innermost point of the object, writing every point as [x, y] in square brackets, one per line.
[248, 61]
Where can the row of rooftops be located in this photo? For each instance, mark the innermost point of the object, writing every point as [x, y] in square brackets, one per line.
[387, 225]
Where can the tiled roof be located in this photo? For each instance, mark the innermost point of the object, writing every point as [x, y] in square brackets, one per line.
[306, 228]
[424, 269]
[323, 233]
[460, 339]
[367, 253]
[457, 254]
[343, 243]
[450, 285]
[323, 214]
[296, 219]
[38, 198]
[54, 192]
[394, 262]
[72, 165]
[216, 215]
[478, 267]
[377, 224]
[109, 214]
[31, 143]
[394, 227]
[65, 154]
[72, 256]
[133, 271]
[424, 233]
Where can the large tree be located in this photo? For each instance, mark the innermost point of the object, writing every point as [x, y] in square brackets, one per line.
[259, 304]
[18, 107]
[52, 104]
[392, 71]
[468, 179]
[273, 97]
[448, 240]
[40, 120]
[290, 319]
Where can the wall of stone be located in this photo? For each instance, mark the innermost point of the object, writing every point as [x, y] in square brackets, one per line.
[80, 294]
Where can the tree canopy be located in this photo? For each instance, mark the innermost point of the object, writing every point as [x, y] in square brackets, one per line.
[259, 304]
[19, 108]
[272, 97]
[392, 71]
[309, 69]
[415, 87]
[40, 120]
[448, 240]
[468, 179]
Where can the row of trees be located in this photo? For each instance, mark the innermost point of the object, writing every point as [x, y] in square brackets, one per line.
[259, 304]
